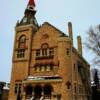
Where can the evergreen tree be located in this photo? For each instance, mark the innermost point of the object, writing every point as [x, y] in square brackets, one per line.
[95, 92]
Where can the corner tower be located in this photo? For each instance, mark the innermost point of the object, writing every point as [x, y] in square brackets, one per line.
[24, 33]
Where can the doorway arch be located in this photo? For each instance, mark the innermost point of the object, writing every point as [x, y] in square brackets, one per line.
[37, 91]
[48, 90]
[29, 90]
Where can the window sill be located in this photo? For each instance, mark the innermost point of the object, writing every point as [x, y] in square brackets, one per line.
[44, 57]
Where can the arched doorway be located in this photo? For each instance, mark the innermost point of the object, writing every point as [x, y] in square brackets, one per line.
[37, 91]
[29, 90]
[48, 91]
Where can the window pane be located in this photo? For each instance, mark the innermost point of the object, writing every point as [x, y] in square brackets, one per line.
[42, 68]
[21, 53]
[51, 51]
[16, 88]
[44, 52]
[38, 52]
[68, 51]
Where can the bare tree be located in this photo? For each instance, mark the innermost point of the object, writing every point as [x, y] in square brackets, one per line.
[93, 43]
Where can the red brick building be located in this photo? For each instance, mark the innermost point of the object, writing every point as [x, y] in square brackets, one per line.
[45, 64]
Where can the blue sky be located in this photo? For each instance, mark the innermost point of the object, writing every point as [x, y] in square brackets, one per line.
[82, 14]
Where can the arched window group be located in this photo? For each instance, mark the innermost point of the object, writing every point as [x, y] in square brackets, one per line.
[40, 91]
[44, 68]
[45, 51]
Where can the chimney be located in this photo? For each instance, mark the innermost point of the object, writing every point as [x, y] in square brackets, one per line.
[79, 42]
[70, 31]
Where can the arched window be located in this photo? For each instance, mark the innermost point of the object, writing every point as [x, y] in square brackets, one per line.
[44, 46]
[22, 41]
[45, 51]
[21, 46]
[68, 85]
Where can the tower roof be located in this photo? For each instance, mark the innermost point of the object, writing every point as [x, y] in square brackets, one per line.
[29, 15]
[31, 3]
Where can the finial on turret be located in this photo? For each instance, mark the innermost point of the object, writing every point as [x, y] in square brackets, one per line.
[31, 3]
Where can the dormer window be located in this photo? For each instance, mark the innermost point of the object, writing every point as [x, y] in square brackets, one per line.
[25, 20]
[31, 8]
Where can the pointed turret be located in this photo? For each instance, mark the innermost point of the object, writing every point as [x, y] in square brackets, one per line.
[29, 15]
[30, 8]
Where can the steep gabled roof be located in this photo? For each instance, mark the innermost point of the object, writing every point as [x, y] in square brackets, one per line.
[62, 33]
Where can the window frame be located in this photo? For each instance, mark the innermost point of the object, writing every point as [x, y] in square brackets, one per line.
[20, 53]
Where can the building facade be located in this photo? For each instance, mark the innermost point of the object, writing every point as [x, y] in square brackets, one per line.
[45, 65]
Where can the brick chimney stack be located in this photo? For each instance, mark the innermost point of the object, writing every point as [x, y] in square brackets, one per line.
[70, 31]
[79, 42]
